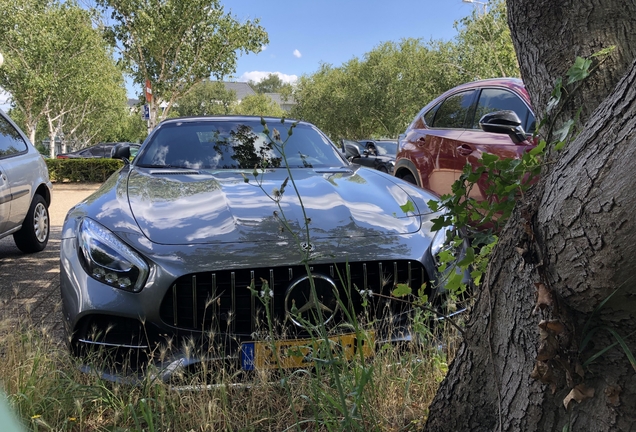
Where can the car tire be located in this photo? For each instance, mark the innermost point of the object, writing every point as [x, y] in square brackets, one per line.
[383, 169]
[409, 178]
[34, 234]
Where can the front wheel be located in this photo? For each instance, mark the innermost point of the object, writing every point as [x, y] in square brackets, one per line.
[34, 234]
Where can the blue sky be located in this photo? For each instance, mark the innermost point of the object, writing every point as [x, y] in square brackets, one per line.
[305, 33]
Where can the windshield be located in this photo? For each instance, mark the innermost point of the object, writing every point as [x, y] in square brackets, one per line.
[386, 148]
[237, 144]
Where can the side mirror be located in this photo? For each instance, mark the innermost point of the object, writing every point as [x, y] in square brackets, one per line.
[504, 122]
[121, 151]
[342, 146]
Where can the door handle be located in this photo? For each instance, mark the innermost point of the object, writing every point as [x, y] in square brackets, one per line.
[464, 150]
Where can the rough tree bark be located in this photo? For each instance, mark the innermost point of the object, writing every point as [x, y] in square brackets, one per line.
[568, 246]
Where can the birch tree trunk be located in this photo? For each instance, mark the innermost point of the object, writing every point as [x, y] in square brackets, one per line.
[570, 245]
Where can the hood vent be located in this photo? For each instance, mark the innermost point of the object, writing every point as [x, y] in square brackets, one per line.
[170, 173]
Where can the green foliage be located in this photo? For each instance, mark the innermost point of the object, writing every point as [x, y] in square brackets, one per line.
[271, 84]
[178, 43]
[82, 170]
[484, 46]
[258, 105]
[206, 98]
[59, 71]
[131, 128]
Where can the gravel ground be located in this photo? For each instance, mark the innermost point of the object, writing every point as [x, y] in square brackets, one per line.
[29, 284]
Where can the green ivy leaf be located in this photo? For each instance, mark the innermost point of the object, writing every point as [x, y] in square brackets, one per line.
[408, 207]
[468, 259]
[564, 130]
[401, 290]
[579, 70]
[488, 158]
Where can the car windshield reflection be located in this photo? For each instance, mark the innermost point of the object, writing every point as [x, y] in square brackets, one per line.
[223, 144]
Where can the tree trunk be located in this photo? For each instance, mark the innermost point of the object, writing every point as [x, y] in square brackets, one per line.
[568, 247]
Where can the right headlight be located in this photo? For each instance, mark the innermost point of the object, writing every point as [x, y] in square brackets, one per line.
[108, 259]
[441, 241]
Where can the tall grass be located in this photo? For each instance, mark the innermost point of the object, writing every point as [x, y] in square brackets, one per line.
[48, 392]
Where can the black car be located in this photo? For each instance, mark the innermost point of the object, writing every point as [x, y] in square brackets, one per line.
[377, 154]
[101, 150]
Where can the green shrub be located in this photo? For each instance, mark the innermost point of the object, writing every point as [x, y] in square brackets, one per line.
[82, 170]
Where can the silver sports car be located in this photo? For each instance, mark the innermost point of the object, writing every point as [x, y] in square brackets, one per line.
[226, 229]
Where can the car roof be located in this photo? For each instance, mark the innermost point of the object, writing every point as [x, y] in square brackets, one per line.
[515, 84]
[268, 119]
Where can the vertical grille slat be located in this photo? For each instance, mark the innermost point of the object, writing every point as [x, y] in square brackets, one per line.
[272, 286]
[214, 317]
[364, 272]
[253, 302]
[174, 305]
[395, 274]
[195, 320]
[233, 300]
[221, 302]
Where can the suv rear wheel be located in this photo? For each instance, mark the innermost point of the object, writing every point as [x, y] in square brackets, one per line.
[34, 234]
[409, 178]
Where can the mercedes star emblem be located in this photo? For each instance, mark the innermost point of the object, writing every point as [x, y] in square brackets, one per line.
[306, 307]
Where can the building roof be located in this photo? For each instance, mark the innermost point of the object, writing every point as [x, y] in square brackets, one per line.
[241, 89]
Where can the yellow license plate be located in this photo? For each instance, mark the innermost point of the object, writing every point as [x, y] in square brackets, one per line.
[301, 353]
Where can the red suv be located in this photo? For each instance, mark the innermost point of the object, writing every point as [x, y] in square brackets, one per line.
[446, 133]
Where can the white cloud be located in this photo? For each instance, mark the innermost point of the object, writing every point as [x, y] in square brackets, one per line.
[258, 76]
[297, 54]
[263, 47]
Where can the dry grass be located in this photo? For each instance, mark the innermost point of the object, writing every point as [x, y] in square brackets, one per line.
[48, 392]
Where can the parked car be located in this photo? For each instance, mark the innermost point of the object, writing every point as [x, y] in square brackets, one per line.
[101, 150]
[25, 189]
[446, 135]
[161, 257]
[377, 154]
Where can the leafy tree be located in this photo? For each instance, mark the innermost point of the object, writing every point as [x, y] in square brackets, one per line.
[258, 105]
[130, 128]
[59, 70]
[271, 84]
[550, 342]
[206, 98]
[484, 48]
[178, 43]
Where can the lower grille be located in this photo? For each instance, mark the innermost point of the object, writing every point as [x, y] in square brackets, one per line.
[221, 301]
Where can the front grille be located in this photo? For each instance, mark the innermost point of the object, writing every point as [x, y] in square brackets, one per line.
[221, 301]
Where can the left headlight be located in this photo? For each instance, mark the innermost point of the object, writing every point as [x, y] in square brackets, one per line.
[109, 260]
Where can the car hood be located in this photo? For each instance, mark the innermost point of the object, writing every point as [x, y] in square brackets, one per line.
[189, 207]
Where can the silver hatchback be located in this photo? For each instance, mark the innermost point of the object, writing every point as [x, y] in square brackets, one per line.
[25, 189]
